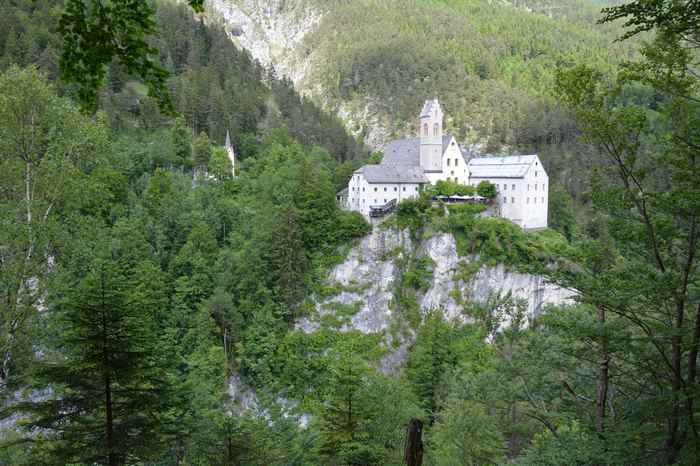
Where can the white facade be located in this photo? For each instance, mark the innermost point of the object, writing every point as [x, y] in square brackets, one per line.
[523, 187]
[412, 162]
[362, 194]
[454, 165]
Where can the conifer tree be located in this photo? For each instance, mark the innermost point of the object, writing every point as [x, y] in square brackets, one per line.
[109, 389]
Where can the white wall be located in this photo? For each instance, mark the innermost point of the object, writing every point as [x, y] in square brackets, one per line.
[524, 201]
[536, 197]
[362, 195]
[454, 167]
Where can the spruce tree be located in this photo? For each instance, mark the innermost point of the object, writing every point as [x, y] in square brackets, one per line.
[108, 379]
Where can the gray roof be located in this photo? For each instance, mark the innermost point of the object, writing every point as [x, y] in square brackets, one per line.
[407, 151]
[428, 107]
[514, 166]
[392, 173]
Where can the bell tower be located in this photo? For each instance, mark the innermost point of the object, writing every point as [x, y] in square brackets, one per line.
[431, 136]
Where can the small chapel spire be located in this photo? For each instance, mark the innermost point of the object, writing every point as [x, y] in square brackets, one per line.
[231, 154]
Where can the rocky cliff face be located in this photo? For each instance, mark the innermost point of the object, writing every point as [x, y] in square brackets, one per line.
[366, 284]
[364, 289]
[271, 30]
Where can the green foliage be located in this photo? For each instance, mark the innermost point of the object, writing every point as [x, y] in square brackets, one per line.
[215, 86]
[375, 158]
[413, 213]
[364, 413]
[486, 189]
[53, 165]
[561, 212]
[495, 240]
[219, 165]
[109, 350]
[465, 435]
[202, 150]
[491, 63]
[94, 34]
[436, 352]
[451, 188]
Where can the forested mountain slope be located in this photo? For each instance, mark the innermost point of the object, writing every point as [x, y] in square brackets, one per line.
[214, 85]
[491, 63]
[143, 288]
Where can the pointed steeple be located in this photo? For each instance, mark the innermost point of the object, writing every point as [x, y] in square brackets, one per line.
[231, 154]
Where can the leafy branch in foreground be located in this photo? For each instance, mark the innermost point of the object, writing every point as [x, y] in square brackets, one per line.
[95, 32]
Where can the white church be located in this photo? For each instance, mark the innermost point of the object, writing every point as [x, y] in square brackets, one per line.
[410, 163]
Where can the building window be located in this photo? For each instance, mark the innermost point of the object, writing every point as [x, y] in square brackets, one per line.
[403, 188]
[534, 199]
[456, 162]
[527, 201]
[535, 172]
[512, 200]
[513, 187]
[416, 188]
[425, 129]
[384, 188]
[543, 200]
[528, 187]
[452, 173]
[384, 201]
[505, 200]
[395, 188]
[448, 162]
[375, 189]
[505, 187]
[363, 189]
[436, 129]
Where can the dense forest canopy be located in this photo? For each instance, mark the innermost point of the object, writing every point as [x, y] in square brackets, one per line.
[143, 287]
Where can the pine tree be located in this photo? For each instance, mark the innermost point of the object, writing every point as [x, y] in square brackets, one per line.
[109, 381]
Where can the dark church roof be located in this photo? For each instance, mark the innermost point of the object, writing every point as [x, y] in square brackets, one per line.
[392, 173]
[407, 151]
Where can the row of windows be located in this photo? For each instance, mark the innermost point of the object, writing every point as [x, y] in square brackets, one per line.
[505, 187]
[403, 188]
[527, 200]
[456, 162]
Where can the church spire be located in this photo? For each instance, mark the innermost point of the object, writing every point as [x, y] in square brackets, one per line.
[231, 154]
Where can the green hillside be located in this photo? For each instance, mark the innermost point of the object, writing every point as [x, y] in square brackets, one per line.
[158, 309]
[491, 64]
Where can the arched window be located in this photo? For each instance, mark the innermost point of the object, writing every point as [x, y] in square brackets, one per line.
[436, 128]
[425, 129]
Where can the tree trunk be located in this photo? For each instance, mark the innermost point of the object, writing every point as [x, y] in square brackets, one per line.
[673, 441]
[692, 374]
[109, 416]
[601, 399]
[413, 455]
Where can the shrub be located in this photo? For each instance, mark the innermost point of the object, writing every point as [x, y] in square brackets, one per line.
[352, 225]
[486, 189]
